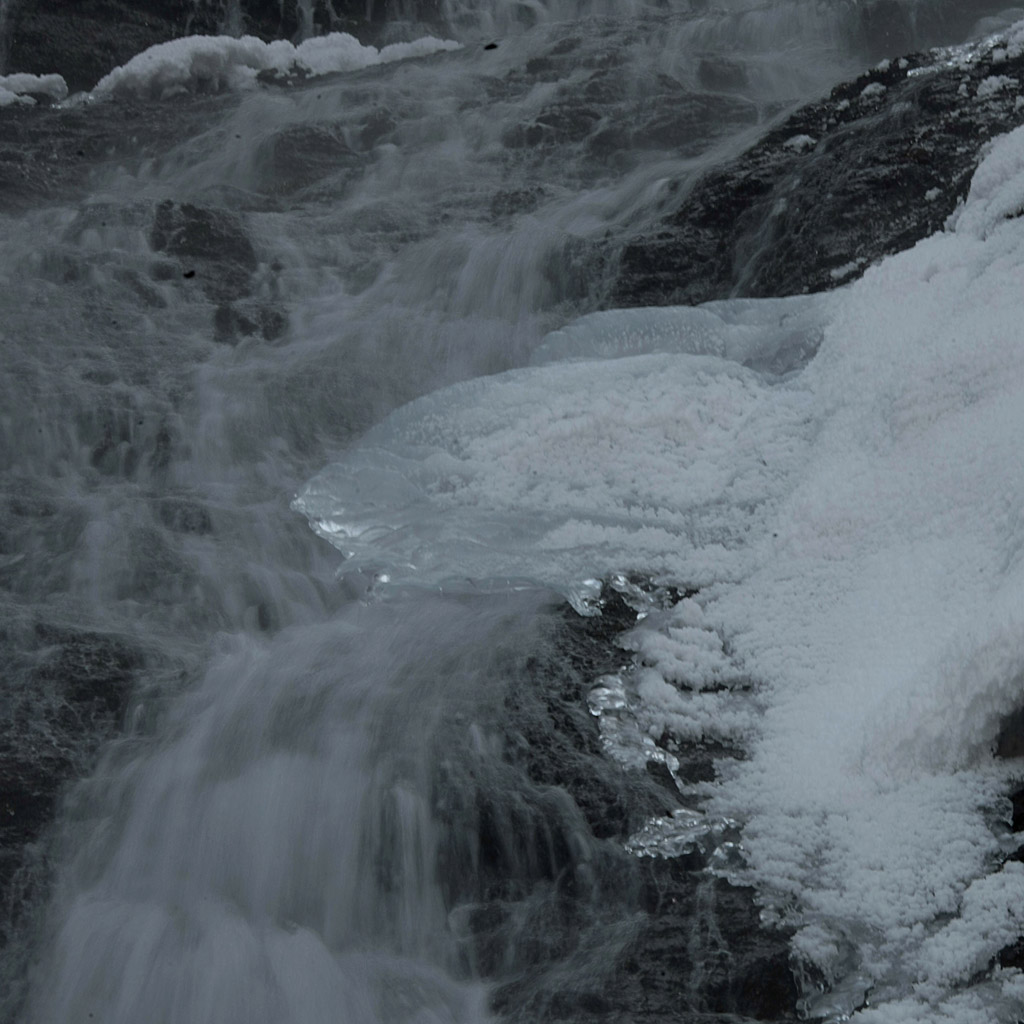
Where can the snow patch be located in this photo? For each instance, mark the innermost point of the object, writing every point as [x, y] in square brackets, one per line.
[994, 84]
[800, 143]
[220, 63]
[21, 88]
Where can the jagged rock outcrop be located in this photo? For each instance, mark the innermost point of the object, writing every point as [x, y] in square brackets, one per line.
[877, 166]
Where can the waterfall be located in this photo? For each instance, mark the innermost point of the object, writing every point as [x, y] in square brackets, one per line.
[290, 782]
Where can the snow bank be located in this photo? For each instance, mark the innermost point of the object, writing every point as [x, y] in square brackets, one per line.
[219, 63]
[856, 530]
[21, 88]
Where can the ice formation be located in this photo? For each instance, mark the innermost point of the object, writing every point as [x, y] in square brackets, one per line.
[855, 533]
[219, 63]
[21, 88]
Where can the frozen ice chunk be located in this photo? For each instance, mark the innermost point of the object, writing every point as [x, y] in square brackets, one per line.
[776, 335]
[559, 473]
[685, 831]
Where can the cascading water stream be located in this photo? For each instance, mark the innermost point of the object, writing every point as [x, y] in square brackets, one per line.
[317, 810]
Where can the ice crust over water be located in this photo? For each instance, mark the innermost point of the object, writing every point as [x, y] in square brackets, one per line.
[856, 530]
[219, 63]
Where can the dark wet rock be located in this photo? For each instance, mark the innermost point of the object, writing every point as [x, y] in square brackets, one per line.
[552, 893]
[84, 40]
[720, 74]
[233, 322]
[867, 172]
[1012, 956]
[211, 246]
[127, 434]
[93, 671]
[1010, 739]
[183, 515]
[376, 128]
[229, 325]
[1017, 804]
[213, 253]
[65, 693]
[509, 202]
[603, 114]
[302, 155]
[66, 690]
[698, 759]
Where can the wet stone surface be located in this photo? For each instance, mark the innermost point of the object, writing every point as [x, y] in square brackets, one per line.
[65, 693]
[871, 170]
[211, 250]
[212, 244]
[556, 896]
[57, 153]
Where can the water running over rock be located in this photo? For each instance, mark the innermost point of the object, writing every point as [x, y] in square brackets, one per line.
[320, 798]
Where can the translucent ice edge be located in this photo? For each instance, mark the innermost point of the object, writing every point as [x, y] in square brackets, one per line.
[854, 532]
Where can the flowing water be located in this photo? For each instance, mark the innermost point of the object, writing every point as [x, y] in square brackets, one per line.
[308, 796]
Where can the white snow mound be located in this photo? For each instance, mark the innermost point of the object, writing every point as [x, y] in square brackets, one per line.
[221, 63]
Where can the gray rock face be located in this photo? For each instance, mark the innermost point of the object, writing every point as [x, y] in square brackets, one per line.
[867, 172]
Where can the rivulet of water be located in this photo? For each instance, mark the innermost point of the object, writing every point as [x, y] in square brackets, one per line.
[305, 808]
